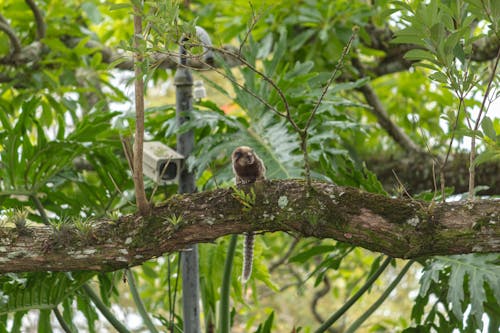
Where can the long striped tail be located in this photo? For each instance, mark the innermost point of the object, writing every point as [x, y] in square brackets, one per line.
[247, 256]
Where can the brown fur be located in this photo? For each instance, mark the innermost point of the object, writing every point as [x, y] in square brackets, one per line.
[248, 168]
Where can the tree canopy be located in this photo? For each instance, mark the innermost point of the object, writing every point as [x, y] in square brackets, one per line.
[378, 122]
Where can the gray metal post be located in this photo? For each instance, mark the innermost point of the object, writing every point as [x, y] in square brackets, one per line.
[183, 81]
[189, 259]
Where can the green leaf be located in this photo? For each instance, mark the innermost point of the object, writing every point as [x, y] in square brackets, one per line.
[92, 12]
[268, 325]
[439, 77]
[466, 277]
[490, 154]
[488, 128]
[117, 6]
[39, 290]
[418, 54]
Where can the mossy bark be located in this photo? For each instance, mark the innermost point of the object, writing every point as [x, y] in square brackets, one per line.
[398, 227]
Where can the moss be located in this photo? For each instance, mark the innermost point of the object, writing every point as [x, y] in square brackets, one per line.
[486, 221]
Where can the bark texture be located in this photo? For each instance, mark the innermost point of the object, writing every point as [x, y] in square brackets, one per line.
[398, 227]
[415, 172]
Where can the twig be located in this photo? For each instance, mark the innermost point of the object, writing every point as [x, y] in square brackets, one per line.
[40, 24]
[472, 167]
[162, 173]
[288, 253]
[41, 209]
[14, 41]
[252, 93]
[314, 303]
[140, 193]
[255, 19]
[338, 67]
[448, 152]
[434, 181]
[266, 78]
[128, 151]
[401, 185]
[303, 133]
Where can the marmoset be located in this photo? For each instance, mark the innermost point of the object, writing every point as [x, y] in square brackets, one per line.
[248, 168]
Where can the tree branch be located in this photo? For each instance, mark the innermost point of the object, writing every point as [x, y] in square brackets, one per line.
[379, 111]
[14, 41]
[40, 24]
[398, 227]
[415, 172]
[137, 158]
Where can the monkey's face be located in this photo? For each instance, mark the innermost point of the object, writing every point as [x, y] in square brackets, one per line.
[243, 156]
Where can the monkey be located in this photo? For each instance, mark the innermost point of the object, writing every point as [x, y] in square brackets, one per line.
[248, 168]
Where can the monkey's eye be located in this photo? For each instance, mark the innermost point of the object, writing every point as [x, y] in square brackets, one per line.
[237, 154]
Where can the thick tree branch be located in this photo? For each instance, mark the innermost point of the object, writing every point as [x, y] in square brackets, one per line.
[387, 124]
[415, 171]
[397, 227]
[379, 111]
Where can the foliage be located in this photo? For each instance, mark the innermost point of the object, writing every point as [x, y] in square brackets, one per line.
[63, 118]
[39, 290]
[473, 288]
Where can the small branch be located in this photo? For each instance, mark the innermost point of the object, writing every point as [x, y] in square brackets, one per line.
[41, 209]
[255, 19]
[304, 132]
[314, 303]
[249, 91]
[14, 40]
[40, 23]
[140, 193]
[338, 67]
[442, 176]
[472, 167]
[287, 115]
[287, 255]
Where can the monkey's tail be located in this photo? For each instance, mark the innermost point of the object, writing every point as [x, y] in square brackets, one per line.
[247, 256]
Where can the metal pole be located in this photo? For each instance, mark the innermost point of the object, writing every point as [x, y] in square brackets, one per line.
[189, 259]
[183, 82]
